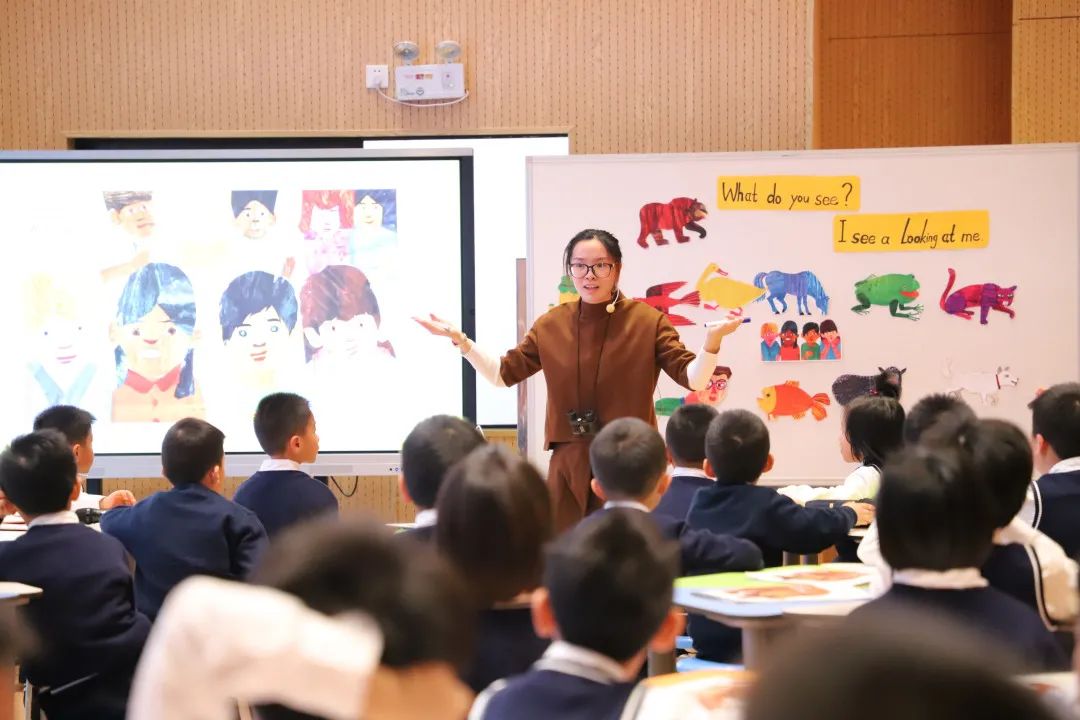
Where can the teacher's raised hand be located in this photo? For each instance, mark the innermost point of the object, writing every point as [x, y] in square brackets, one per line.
[444, 328]
[715, 334]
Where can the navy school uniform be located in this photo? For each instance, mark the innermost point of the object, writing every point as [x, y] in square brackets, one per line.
[506, 644]
[676, 501]
[567, 683]
[85, 620]
[701, 551]
[284, 497]
[986, 610]
[188, 530]
[776, 524]
[1014, 570]
[1057, 508]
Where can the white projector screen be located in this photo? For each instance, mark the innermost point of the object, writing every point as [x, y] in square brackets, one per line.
[152, 286]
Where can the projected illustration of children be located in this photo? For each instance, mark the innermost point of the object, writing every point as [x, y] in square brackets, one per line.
[341, 317]
[59, 330]
[131, 212]
[154, 333]
[258, 314]
[326, 220]
[260, 247]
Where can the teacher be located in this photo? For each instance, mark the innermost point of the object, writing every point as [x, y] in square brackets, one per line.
[601, 358]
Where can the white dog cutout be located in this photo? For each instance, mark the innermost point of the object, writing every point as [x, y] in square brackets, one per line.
[984, 384]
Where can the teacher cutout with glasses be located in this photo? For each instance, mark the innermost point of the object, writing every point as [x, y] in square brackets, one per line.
[601, 358]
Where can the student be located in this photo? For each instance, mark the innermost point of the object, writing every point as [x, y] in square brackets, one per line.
[1055, 427]
[913, 665]
[737, 453]
[494, 520]
[872, 428]
[428, 453]
[89, 632]
[414, 596]
[209, 649]
[605, 602]
[935, 520]
[629, 462]
[191, 529]
[685, 438]
[75, 425]
[280, 493]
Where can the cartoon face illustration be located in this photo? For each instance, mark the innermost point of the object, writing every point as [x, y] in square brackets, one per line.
[325, 221]
[716, 390]
[368, 211]
[258, 313]
[769, 333]
[340, 315]
[810, 333]
[131, 210]
[260, 337]
[789, 335]
[154, 344]
[55, 323]
[348, 338]
[255, 220]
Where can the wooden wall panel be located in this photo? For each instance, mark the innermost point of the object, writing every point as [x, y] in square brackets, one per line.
[916, 73]
[1046, 71]
[620, 75]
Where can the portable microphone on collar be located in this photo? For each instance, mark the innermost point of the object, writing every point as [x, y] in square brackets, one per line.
[611, 305]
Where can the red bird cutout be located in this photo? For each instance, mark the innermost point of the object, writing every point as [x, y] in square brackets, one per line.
[660, 297]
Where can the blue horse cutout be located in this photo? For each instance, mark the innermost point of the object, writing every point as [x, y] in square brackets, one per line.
[801, 285]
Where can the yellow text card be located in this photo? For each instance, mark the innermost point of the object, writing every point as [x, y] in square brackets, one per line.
[898, 232]
[787, 192]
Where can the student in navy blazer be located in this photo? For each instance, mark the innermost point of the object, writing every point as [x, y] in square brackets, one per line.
[629, 465]
[280, 493]
[190, 529]
[935, 522]
[1055, 423]
[430, 449]
[89, 633]
[502, 554]
[685, 438]
[608, 585]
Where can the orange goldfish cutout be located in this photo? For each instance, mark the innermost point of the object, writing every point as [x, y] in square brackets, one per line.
[791, 400]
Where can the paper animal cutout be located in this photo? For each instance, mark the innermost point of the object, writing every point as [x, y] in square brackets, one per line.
[791, 400]
[682, 212]
[660, 297]
[887, 382]
[802, 285]
[567, 291]
[986, 297]
[723, 292]
[986, 385]
[894, 291]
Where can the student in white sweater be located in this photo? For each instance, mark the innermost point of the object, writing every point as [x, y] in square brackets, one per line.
[872, 428]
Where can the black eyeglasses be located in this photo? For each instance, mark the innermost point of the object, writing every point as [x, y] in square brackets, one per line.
[600, 269]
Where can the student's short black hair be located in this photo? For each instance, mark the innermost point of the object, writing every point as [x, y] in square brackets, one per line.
[74, 423]
[874, 427]
[504, 489]
[627, 458]
[685, 433]
[1001, 455]
[191, 448]
[430, 450]
[414, 595]
[737, 447]
[279, 417]
[929, 410]
[1055, 414]
[898, 665]
[252, 293]
[37, 472]
[611, 580]
[933, 511]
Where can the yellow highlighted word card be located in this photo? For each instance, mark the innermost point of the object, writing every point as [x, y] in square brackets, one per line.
[897, 232]
[787, 192]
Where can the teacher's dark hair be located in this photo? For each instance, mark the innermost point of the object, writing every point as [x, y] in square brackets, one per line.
[609, 241]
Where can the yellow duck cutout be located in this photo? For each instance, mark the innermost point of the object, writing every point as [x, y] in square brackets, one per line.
[723, 292]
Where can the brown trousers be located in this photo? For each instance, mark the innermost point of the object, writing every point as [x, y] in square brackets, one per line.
[569, 474]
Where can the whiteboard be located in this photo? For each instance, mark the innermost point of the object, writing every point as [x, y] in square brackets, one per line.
[1027, 195]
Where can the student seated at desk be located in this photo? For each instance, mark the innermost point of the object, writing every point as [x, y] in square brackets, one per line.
[685, 439]
[1055, 426]
[429, 451]
[872, 429]
[90, 634]
[494, 520]
[280, 493]
[935, 521]
[606, 601]
[630, 468]
[75, 424]
[190, 529]
[415, 597]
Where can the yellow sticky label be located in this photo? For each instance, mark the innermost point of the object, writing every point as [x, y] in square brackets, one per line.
[788, 192]
[898, 232]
